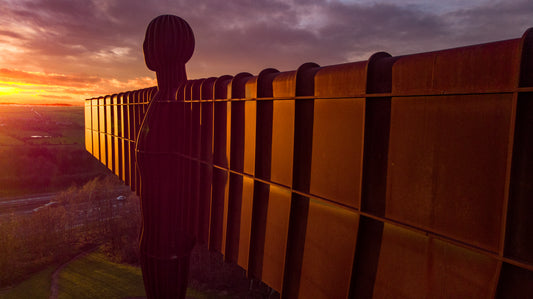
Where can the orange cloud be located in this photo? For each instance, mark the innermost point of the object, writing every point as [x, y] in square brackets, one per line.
[47, 79]
[55, 96]
[36, 87]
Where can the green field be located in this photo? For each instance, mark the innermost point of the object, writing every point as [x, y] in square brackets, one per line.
[90, 276]
[42, 150]
[22, 125]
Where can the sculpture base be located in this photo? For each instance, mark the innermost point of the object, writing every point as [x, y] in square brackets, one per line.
[165, 278]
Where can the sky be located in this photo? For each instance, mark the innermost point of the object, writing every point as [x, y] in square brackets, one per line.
[64, 51]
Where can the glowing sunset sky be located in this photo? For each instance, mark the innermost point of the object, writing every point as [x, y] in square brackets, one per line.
[63, 51]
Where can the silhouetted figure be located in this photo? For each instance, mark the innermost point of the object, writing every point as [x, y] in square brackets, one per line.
[166, 240]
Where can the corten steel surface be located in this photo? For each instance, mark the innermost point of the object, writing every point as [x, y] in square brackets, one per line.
[404, 176]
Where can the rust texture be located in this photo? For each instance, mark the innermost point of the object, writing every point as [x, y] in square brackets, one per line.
[403, 176]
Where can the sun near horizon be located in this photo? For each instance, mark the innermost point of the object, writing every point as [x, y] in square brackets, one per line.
[21, 87]
[46, 62]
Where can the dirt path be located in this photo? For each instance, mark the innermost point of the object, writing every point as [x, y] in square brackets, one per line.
[54, 289]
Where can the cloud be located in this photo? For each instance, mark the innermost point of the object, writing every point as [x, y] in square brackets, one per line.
[490, 22]
[9, 75]
[103, 38]
[56, 97]
[251, 35]
[71, 37]
[66, 86]
[11, 34]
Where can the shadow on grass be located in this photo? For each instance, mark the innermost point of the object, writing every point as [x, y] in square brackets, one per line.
[37, 286]
[94, 276]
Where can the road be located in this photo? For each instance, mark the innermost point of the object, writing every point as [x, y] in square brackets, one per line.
[24, 205]
[28, 204]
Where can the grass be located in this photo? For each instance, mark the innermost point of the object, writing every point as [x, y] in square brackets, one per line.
[37, 286]
[94, 276]
[60, 153]
[19, 123]
[91, 276]
[8, 140]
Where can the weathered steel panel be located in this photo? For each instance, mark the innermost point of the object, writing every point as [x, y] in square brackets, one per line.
[284, 85]
[219, 210]
[233, 229]
[413, 265]
[337, 151]
[328, 255]
[447, 165]
[478, 68]
[250, 88]
[342, 80]
[245, 228]
[456, 272]
[282, 142]
[277, 228]
[88, 126]
[101, 130]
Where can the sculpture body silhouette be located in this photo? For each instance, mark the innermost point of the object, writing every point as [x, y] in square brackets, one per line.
[166, 238]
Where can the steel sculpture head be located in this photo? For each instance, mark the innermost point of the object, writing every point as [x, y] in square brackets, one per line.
[168, 45]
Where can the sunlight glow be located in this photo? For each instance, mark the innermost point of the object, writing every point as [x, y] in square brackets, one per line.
[8, 90]
[19, 83]
[121, 51]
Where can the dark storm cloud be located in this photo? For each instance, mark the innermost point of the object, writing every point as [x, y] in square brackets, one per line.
[104, 37]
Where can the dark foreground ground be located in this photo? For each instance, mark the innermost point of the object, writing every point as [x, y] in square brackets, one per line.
[211, 274]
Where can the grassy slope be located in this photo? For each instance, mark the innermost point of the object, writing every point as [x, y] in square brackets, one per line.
[93, 276]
